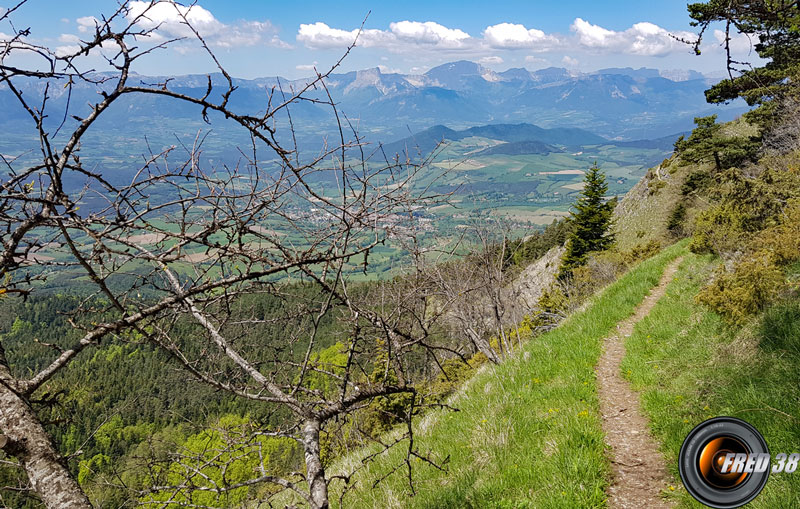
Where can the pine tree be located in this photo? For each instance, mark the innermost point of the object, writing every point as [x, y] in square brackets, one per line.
[591, 222]
[707, 143]
[774, 27]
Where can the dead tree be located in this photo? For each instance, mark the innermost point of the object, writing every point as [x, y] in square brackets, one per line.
[196, 239]
[476, 293]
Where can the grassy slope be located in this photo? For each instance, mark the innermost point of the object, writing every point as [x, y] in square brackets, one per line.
[642, 214]
[690, 366]
[528, 433]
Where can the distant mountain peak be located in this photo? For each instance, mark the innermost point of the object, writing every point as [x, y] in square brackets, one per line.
[649, 73]
[681, 74]
[520, 138]
[461, 73]
[517, 73]
[462, 67]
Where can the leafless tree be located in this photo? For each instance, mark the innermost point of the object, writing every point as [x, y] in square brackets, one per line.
[184, 242]
[476, 291]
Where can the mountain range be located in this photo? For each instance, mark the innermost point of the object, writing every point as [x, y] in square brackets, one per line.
[617, 103]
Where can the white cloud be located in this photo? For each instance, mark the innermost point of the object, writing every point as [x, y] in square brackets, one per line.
[248, 33]
[169, 19]
[569, 61]
[69, 49]
[65, 20]
[306, 67]
[428, 33]
[401, 35]
[513, 36]
[531, 59]
[644, 38]
[279, 43]
[319, 35]
[593, 36]
[494, 59]
[740, 43]
[71, 46]
[389, 70]
[17, 44]
[86, 23]
[68, 38]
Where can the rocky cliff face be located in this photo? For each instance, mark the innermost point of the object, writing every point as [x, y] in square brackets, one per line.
[536, 278]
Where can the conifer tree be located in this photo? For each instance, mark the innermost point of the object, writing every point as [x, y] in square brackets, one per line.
[707, 143]
[774, 26]
[591, 222]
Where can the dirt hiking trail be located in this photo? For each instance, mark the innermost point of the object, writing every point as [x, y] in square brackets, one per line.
[640, 474]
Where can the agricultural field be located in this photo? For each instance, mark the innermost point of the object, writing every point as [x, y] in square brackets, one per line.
[524, 185]
[529, 190]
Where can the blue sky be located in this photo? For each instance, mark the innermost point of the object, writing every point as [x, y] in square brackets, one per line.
[267, 38]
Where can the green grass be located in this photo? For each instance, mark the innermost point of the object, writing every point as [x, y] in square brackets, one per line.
[528, 433]
[690, 366]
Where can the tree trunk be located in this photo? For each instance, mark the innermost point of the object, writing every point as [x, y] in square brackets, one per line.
[482, 345]
[27, 441]
[315, 474]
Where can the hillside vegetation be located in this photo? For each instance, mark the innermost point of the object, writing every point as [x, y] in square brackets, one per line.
[526, 433]
[689, 366]
[530, 425]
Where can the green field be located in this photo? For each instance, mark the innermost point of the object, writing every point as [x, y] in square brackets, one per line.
[527, 192]
[526, 188]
